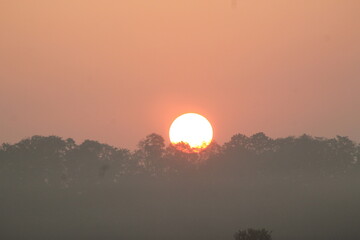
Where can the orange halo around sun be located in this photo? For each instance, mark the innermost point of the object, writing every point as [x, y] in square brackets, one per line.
[192, 129]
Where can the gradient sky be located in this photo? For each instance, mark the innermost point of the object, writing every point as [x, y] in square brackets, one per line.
[115, 71]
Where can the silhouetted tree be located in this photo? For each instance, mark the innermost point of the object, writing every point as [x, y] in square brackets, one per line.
[150, 153]
[90, 161]
[180, 157]
[36, 159]
[123, 163]
[252, 234]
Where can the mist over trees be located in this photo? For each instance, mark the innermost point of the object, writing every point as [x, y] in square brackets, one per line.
[300, 187]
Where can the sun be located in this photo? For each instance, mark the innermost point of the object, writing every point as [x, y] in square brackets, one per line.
[192, 129]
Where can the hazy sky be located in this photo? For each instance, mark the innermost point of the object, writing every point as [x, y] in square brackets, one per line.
[115, 71]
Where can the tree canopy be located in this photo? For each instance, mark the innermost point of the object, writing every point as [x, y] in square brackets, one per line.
[302, 187]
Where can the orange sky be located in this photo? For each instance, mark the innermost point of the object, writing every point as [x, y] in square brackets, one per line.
[115, 71]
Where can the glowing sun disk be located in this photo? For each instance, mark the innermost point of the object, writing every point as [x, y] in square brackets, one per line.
[193, 129]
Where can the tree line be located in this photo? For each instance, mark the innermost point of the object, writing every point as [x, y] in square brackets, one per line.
[299, 187]
[56, 161]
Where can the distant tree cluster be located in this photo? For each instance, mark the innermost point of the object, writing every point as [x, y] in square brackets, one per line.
[53, 160]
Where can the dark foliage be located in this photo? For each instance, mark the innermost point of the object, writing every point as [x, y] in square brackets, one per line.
[252, 234]
[302, 187]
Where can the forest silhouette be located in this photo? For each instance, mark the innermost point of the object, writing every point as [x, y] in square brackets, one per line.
[298, 187]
